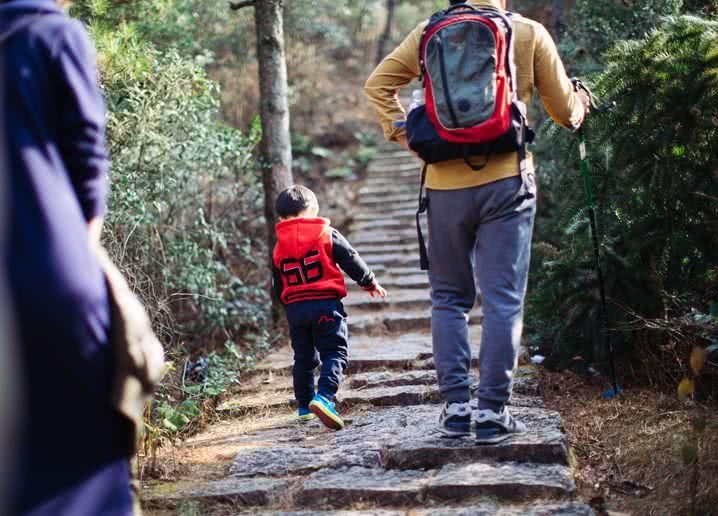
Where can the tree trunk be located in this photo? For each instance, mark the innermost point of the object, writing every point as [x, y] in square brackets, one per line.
[276, 147]
[386, 35]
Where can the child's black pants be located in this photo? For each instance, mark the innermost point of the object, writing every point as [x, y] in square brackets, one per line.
[318, 330]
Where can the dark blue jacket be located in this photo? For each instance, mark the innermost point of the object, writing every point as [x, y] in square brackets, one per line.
[54, 126]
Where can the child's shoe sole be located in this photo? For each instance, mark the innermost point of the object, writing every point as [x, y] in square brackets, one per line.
[326, 417]
[306, 417]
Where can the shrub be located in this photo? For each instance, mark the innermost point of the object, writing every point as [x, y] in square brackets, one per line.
[177, 175]
[185, 216]
[654, 159]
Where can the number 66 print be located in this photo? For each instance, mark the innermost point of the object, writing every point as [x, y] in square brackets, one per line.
[299, 272]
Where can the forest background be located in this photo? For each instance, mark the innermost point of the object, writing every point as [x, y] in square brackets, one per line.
[186, 212]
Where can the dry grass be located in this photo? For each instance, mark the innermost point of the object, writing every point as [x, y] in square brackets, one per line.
[626, 448]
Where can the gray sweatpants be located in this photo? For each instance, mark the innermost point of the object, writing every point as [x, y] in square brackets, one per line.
[487, 228]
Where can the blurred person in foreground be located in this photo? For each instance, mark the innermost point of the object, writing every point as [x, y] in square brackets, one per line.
[74, 446]
[8, 352]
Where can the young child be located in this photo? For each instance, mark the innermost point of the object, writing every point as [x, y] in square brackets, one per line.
[308, 280]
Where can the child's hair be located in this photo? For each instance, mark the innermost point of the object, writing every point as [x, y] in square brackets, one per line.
[292, 201]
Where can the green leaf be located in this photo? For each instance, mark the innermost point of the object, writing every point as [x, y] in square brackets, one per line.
[321, 152]
[169, 425]
[339, 172]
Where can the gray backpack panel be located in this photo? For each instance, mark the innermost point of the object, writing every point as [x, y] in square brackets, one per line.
[461, 61]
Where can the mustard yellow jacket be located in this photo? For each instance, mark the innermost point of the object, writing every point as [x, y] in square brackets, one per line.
[538, 65]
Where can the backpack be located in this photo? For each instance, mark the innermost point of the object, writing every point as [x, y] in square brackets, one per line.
[466, 57]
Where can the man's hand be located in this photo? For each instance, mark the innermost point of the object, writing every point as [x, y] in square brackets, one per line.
[404, 143]
[376, 290]
[94, 231]
[585, 100]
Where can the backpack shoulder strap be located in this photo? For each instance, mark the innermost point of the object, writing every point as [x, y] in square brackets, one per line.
[22, 24]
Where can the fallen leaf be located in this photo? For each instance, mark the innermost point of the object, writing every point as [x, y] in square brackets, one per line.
[698, 359]
[686, 388]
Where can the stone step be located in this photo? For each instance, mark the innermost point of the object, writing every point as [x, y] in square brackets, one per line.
[401, 396]
[397, 321]
[385, 224]
[395, 272]
[378, 389]
[389, 260]
[403, 272]
[407, 203]
[382, 191]
[346, 487]
[407, 395]
[371, 353]
[390, 379]
[383, 237]
[403, 351]
[509, 481]
[396, 299]
[367, 249]
[403, 215]
[237, 492]
[409, 440]
[480, 508]
[396, 163]
[392, 177]
[380, 202]
[394, 155]
[417, 280]
[525, 381]
[247, 403]
[398, 171]
[398, 438]
[389, 180]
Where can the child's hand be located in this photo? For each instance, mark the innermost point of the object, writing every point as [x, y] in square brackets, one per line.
[376, 290]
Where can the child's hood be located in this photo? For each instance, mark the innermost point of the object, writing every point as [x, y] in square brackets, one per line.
[296, 237]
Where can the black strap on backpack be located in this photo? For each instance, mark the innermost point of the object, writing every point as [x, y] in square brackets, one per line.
[472, 166]
[423, 206]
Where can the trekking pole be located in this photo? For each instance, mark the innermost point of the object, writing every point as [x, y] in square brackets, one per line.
[586, 173]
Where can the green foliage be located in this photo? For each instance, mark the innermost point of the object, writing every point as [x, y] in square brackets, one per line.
[176, 170]
[593, 27]
[185, 209]
[653, 159]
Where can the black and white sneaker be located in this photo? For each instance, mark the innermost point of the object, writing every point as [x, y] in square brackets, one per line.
[492, 428]
[455, 420]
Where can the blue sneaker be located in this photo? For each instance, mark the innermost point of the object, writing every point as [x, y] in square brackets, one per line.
[325, 411]
[304, 414]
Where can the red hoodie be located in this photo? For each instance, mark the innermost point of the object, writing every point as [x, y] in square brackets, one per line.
[304, 259]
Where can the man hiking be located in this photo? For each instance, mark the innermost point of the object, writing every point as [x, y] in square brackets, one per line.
[481, 191]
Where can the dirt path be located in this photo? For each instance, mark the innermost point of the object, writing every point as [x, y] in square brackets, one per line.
[389, 456]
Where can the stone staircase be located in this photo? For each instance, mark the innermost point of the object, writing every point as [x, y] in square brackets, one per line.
[388, 460]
